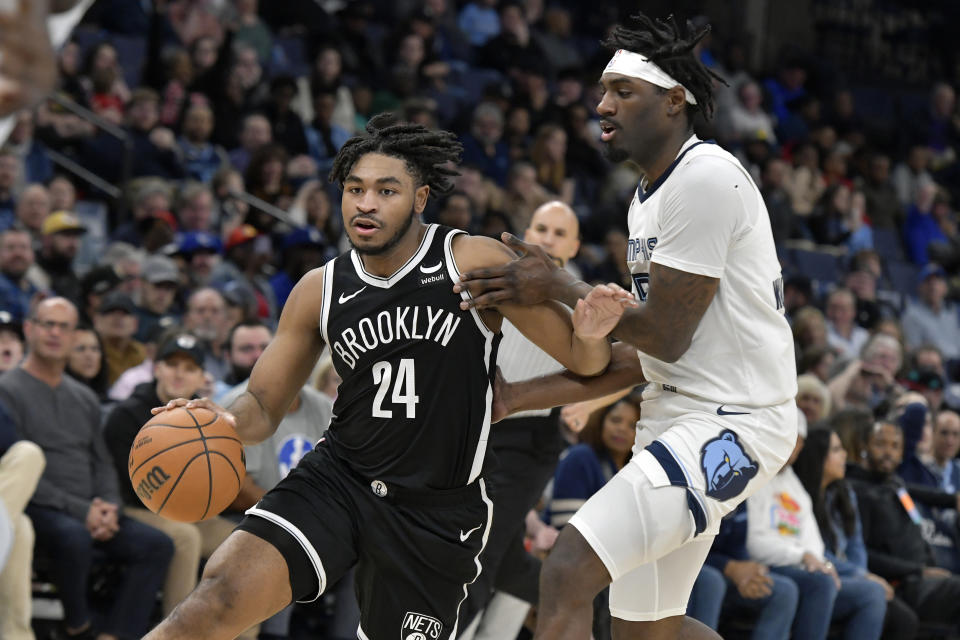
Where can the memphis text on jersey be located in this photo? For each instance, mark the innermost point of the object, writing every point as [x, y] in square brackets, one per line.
[643, 247]
[403, 323]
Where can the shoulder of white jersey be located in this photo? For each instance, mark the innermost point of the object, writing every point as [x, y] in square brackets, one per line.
[712, 163]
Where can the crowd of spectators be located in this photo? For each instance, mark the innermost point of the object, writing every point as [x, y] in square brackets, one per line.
[196, 197]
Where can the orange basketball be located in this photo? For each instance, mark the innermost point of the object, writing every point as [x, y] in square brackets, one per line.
[187, 464]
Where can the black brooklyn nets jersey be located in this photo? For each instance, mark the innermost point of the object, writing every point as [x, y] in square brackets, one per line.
[414, 405]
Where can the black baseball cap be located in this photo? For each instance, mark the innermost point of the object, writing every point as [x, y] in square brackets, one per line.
[185, 343]
[117, 301]
[100, 280]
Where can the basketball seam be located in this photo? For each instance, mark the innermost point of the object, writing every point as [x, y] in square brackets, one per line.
[177, 481]
[229, 462]
[187, 466]
[175, 426]
[206, 451]
[179, 444]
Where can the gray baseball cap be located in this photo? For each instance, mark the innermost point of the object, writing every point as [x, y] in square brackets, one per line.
[157, 269]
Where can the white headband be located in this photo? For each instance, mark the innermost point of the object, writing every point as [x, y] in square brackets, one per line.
[632, 64]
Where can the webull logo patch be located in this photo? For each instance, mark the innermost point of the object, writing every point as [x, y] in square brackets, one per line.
[417, 626]
[151, 482]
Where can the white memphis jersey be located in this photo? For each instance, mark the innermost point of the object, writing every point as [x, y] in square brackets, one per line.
[705, 216]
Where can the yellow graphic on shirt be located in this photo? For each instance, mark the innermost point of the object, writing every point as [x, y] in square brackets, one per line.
[785, 515]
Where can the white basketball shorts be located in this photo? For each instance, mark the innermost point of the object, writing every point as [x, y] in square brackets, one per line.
[694, 461]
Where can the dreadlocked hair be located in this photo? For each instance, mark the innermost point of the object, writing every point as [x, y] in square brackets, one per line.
[425, 152]
[670, 48]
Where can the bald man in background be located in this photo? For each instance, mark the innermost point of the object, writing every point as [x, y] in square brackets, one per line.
[526, 447]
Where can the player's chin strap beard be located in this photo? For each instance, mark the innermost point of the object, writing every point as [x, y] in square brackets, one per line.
[389, 244]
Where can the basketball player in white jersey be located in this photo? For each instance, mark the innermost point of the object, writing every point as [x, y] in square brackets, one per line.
[710, 337]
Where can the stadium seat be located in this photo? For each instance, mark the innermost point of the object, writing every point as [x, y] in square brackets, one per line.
[289, 57]
[132, 50]
[786, 262]
[902, 275]
[820, 266]
[888, 244]
[474, 81]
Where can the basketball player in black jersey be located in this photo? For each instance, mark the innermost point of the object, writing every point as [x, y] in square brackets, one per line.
[396, 485]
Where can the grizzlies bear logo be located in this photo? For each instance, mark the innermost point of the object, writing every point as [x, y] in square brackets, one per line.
[726, 466]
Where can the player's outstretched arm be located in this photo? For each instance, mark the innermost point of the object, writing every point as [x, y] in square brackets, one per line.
[545, 392]
[280, 372]
[662, 327]
[285, 364]
[547, 324]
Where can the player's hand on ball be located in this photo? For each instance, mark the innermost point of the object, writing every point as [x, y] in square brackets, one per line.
[197, 403]
[596, 315]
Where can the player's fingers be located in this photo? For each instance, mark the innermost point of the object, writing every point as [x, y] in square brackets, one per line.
[476, 287]
[484, 273]
[601, 290]
[210, 405]
[204, 403]
[515, 243]
[618, 290]
[173, 404]
[485, 301]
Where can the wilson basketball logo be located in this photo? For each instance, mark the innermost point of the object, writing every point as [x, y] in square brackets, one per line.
[154, 479]
[417, 626]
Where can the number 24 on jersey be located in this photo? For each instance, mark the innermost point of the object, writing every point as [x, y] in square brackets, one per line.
[404, 388]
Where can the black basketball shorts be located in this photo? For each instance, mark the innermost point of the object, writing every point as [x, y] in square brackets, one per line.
[415, 552]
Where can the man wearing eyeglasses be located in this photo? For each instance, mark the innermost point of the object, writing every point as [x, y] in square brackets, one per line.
[75, 507]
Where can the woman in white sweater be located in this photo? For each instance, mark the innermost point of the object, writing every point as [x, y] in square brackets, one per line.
[782, 532]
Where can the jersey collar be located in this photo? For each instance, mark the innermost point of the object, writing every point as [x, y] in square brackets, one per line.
[692, 141]
[386, 283]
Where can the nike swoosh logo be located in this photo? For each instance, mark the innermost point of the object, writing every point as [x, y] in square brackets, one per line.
[435, 267]
[344, 297]
[721, 412]
[464, 536]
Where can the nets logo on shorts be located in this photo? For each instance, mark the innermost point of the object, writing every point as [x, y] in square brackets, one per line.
[417, 626]
[726, 466]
